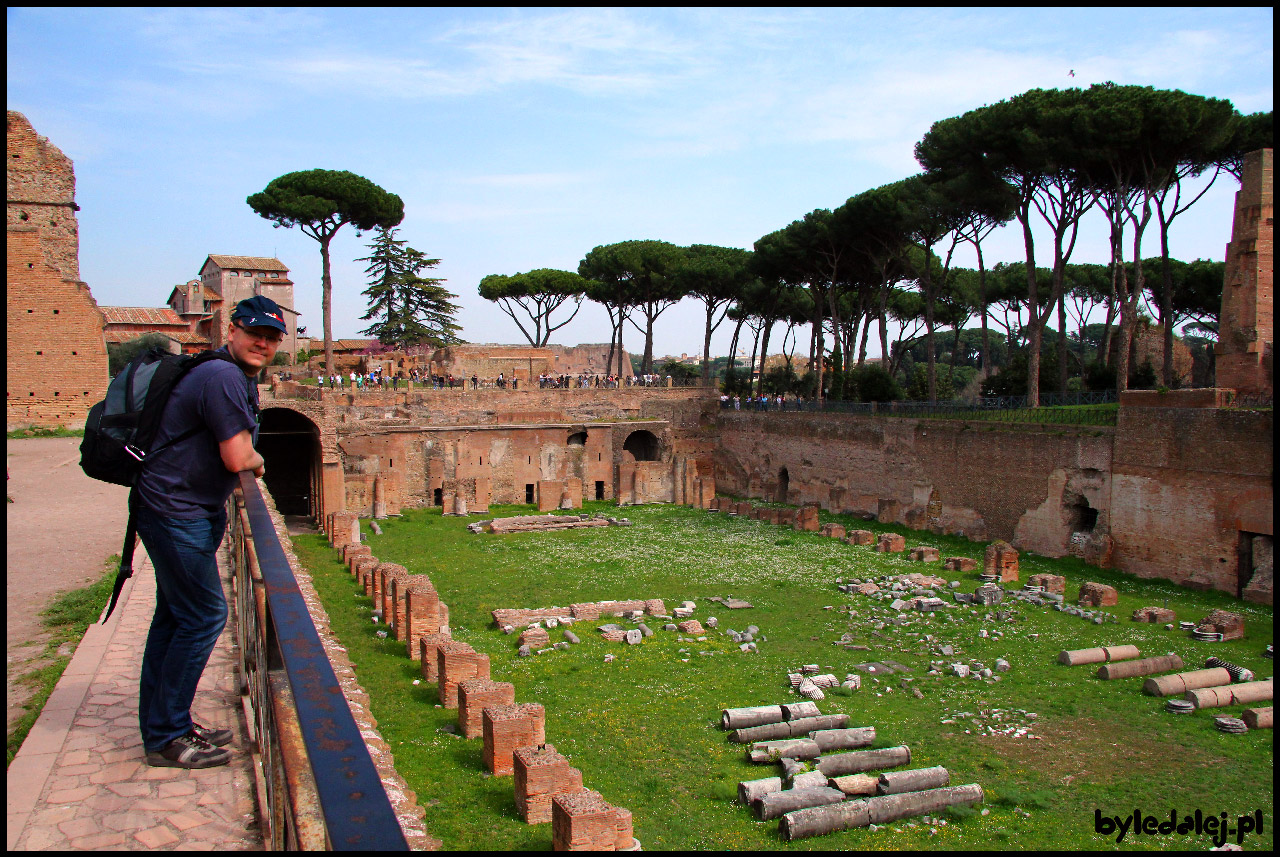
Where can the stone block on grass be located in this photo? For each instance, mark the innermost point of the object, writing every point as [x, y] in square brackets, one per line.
[891, 543]
[507, 728]
[584, 821]
[477, 694]
[540, 774]
[1098, 595]
[1001, 559]
[427, 645]
[455, 662]
[1055, 583]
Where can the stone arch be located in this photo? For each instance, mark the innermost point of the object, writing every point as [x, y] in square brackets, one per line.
[290, 443]
[643, 445]
[578, 438]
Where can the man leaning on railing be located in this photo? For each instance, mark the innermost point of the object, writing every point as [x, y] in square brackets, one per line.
[207, 430]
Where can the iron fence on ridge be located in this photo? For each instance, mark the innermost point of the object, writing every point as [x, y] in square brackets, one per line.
[1098, 408]
[322, 791]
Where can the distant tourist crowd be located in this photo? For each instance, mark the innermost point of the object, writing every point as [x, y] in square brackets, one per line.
[377, 380]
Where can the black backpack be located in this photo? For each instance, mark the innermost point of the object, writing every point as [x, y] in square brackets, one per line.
[121, 429]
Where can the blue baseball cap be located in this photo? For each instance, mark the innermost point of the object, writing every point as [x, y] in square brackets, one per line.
[260, 311]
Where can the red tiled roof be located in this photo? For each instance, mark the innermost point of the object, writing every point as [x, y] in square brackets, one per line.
[252, 263]
[142, 315]
[346, 344]
[185, 337]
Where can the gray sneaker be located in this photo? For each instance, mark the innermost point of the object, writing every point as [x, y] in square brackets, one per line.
[189, 751]
[216, 737]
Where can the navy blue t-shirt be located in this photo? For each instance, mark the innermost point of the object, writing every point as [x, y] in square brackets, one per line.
[188, 479]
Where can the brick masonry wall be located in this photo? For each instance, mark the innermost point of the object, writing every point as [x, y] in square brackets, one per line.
[424, 441]
[1173, 487]
[1245, 359]
[1185, 483]
[56, 356]
[41, 188]
[977, 479]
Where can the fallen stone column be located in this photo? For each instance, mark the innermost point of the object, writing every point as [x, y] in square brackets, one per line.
[861, 761]
[1232, 694]
[815, 821]
[772, 751]
[855, 784]
[788, 728]
[807, 780]
[737, 718]
[1146, 666]
[798, 710]
[751, 790]
[899, 782]
[844, 739]
[1172, 685]
[1257, 718]
[775, 804]
[1103, 654]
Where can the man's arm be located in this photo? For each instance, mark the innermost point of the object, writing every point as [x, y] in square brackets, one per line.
[238, 454]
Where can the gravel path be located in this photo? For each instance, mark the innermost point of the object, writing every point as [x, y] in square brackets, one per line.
[62, 526]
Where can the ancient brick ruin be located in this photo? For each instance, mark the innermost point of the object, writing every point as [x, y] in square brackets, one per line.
[56, 358]
[513, 734]
[1245, 351]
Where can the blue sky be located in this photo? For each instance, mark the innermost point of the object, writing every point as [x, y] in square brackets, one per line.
[521, 139]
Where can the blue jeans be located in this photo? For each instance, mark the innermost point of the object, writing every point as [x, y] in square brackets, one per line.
[191, 612]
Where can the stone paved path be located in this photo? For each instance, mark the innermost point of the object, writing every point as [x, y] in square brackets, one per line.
[80, 781]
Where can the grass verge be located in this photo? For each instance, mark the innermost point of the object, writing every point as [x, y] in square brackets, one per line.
[41, 431]
[67, 618]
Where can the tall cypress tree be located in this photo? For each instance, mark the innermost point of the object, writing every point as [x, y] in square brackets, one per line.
[410, 309]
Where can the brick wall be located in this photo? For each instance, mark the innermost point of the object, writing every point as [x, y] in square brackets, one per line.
[1244, 352]
[977, 479]
[41, 186]
[56, 356]
[1185, 484]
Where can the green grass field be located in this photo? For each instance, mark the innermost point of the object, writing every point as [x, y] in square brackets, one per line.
[643, 729]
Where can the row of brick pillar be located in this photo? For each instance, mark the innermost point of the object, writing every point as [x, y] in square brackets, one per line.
[547, 788]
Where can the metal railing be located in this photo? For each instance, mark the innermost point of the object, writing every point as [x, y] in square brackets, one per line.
[322, 791]
[1012, 409]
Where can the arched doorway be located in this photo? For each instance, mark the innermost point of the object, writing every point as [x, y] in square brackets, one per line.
[643, 446]
[290, 444]
[784, 484]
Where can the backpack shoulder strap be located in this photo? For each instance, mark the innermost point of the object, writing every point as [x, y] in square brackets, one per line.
[187, 366]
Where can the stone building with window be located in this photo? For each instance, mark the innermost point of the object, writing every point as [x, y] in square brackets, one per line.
[227, 280]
